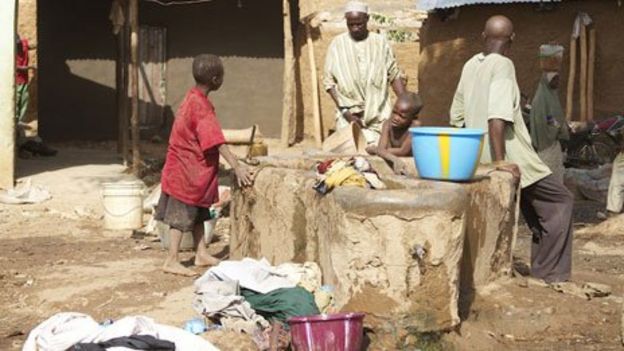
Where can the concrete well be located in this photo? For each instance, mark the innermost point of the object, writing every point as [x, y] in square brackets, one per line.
[404, 255]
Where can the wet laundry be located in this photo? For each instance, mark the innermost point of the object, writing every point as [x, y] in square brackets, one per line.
[282, 304]
[64, 330]
[134, 342]
[355, 171]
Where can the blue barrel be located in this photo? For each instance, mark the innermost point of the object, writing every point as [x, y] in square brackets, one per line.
[447, 153]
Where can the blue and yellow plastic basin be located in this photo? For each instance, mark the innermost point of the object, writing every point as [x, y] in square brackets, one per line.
[447, 153]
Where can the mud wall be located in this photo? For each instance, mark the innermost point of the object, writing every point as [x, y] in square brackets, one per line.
[78, 52]
[76, 70]
[249, 39]
[445, 46]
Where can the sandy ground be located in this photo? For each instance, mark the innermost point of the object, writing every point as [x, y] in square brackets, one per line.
[56, 257]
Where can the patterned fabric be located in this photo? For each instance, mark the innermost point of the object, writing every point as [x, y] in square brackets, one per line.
[362, 73]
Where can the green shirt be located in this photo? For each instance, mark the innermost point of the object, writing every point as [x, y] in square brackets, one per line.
[488, 90]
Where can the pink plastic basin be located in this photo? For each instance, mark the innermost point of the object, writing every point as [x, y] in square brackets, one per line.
[332, 332]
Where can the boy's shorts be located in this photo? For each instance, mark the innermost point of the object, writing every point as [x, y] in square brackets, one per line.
[179, 215]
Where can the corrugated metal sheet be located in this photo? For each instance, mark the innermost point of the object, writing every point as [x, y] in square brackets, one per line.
[428, 5]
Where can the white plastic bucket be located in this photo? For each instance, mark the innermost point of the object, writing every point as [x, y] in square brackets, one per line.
[123, 205]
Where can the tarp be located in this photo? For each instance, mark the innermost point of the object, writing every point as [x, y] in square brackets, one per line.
[429, 5]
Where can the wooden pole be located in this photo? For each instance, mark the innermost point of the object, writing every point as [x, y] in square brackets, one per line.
[571, 80]
[583, 78]
[289, 77]
[318, 126]
[590, 73]
[119, 88]
[134, 88]
[125, 122]
[8, 19]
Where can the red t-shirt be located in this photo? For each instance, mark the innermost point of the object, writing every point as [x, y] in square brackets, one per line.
[192, 165]
[21, 77]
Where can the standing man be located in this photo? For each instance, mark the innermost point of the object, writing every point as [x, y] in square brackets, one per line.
[488, 97]
[33, 145]
[615, 197]
[359, 68]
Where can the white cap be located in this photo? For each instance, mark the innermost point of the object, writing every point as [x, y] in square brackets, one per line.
[356, 6]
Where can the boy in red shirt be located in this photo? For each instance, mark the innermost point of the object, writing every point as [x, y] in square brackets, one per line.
[190, 175]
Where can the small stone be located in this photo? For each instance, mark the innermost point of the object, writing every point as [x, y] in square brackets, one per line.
[509, 337]
[159, 294]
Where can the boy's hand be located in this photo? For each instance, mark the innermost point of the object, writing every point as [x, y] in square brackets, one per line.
[400, 168]
[244, 176]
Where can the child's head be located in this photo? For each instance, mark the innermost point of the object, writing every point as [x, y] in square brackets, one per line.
[208, 71]
[406, 110]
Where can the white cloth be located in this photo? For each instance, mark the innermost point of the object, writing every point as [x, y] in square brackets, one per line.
[25, 193]
[356, 6]
[256, 275]
[615, 198]
[581, 18]
[64, 330]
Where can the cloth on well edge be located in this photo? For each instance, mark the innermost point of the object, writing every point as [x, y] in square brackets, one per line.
[282, 304]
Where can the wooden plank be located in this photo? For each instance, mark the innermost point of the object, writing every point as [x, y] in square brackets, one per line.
[583, 77]
[289, 78]
[316, 109]
[8, 19]
[590, 73]
[571, 80]
[134, 88]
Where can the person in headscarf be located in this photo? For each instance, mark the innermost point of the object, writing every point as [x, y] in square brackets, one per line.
[548, 124]
[359, 69]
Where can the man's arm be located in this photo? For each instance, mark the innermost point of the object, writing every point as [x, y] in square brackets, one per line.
[496, 131]
[397, 86]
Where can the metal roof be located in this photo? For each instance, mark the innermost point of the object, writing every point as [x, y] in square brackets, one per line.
[428, 5]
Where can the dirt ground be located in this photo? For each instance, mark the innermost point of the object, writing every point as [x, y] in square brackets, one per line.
[56, 257]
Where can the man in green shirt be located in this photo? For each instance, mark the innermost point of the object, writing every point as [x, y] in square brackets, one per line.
[488, 97]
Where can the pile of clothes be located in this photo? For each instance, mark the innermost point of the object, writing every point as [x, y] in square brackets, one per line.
[253, 297]
[355, 171]
[72, 331]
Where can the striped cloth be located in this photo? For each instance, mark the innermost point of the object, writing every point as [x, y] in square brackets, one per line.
[362, 73]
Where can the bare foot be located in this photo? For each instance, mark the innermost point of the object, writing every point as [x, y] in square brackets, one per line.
[174, 267]
[204, 260]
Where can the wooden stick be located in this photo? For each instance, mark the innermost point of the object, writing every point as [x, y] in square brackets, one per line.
[590, 73]
[289, 76]
[571, 78]
[583, 78]
[134, 88]
[318, 127]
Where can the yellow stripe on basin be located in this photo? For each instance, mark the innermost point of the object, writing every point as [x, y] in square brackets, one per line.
[444, 142]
